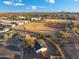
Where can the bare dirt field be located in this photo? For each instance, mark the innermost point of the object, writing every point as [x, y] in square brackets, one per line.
[46, 27]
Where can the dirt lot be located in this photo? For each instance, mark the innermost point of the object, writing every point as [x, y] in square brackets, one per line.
[45, 27]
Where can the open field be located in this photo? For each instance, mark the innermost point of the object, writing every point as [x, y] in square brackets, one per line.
[45, 27]
[36, 27]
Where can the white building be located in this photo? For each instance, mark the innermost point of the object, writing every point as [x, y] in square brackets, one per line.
[6, 29]
[35, 18]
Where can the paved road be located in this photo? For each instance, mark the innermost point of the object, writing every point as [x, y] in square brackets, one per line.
[56, 50]
[56, 53]
[71, 48]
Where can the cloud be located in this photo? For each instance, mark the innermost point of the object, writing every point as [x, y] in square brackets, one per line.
[76, 0]
[33, 7]
[19, 0]
[13, 3]
[50, 1]
[7, 2]
[19, 4]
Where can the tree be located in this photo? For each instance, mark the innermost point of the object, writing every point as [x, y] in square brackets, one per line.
[30, 42]
[12, 17]
[5, 37]
[62, 34]
[76, 31]
[40, 36]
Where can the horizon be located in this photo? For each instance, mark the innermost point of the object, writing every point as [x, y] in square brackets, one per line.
[40, 12]
[39, 6]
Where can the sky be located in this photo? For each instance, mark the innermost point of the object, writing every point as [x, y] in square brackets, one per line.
[39, 5]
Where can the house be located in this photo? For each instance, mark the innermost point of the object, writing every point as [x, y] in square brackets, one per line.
[26, 22]
[36, 18]
[44, 50]
[22, 17]
[20, 23]
[2, 30]
[37, 47]
[6, 29]
[13, 25]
